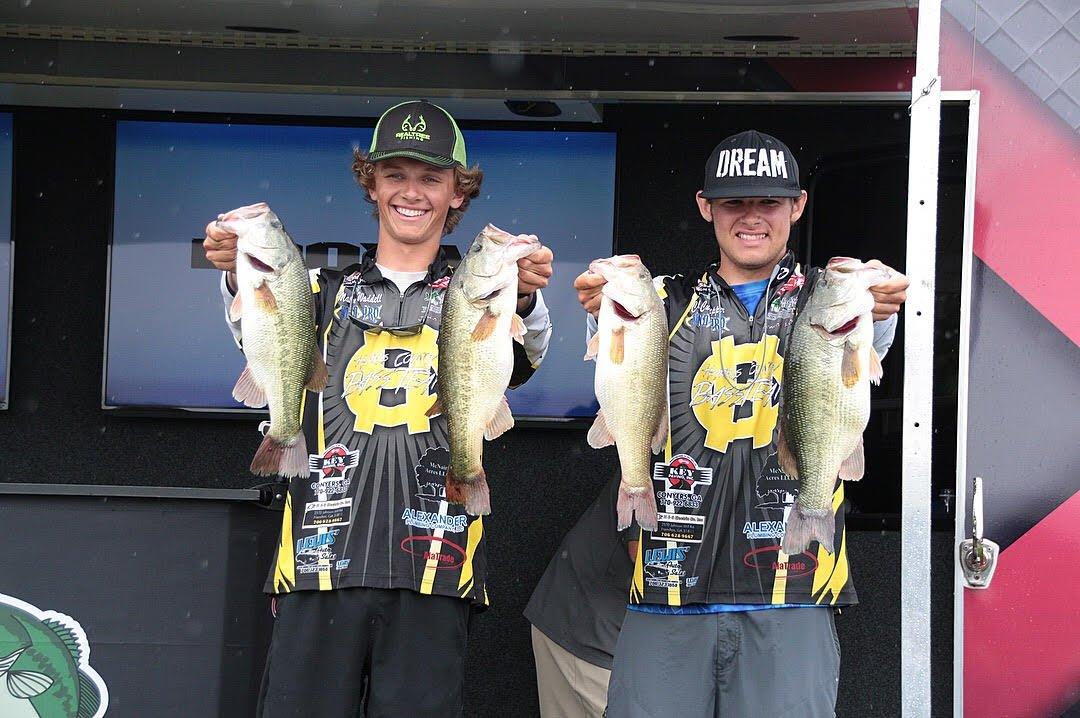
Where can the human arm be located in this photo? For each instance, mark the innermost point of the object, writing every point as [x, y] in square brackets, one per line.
[534, 273]
[889, 295]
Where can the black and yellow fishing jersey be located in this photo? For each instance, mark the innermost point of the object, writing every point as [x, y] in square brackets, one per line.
[373, 510]
[721, 496]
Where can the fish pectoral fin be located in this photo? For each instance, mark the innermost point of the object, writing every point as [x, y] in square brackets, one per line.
[600, 435]
[28, 684]
[8, 661]
[517, 329]
[849, 368]
[484, 327]
[876, 372]
[500, 423]
[784, 457]
[593, 348]
[618, 345]
[435, 409]
[247, 391]
[659, 437]
[236, 308]
[318, 375]
[854, 466]
[265, 298]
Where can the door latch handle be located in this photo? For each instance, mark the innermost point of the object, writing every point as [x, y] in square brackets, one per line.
[978, 555]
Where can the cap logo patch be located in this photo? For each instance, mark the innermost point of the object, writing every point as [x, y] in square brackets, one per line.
[413, 132]
[751, 162]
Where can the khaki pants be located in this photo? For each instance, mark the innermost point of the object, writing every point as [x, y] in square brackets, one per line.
[569, 687]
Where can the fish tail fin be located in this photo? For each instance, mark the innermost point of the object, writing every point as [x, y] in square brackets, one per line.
[286, 458]
[635, 503]
[806, 525]
[472, 493]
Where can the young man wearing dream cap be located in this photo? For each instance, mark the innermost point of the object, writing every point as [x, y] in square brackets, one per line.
[376, 575]
[719, 621]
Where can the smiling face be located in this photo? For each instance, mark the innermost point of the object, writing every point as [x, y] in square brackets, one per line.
[751, 232]
[413, 199]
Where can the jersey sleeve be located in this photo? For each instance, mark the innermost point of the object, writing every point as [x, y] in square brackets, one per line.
[529, 354]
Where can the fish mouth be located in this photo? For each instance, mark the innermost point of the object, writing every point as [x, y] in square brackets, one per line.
[842, 329]
[258, 264]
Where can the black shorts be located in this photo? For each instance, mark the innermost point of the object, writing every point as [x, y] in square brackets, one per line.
[366, 652]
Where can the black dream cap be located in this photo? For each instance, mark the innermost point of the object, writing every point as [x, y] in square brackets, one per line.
[420, 130]
[751, 164]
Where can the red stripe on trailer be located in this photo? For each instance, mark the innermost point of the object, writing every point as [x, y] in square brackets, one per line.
[1028, 181]
[1025, 626]
[864, 74]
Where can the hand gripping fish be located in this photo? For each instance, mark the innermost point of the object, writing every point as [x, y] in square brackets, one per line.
[476, 358]
[828, 369]
[631, 351]
[276, 310]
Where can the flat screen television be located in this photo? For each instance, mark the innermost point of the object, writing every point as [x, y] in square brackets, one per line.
[167, 345]
[7, 252]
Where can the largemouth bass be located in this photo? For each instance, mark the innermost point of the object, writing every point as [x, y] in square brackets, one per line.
[828, 368]
[276, 310]
[43, 669]
[631, 351]
[476, 358]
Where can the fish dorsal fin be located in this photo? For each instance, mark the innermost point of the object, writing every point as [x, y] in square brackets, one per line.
[65, 634]
[89, 697]
[28, 684]
[8, 661]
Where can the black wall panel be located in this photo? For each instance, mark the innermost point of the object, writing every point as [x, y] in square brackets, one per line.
[56, 432]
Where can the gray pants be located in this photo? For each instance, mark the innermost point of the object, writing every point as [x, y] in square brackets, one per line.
[778, 663]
